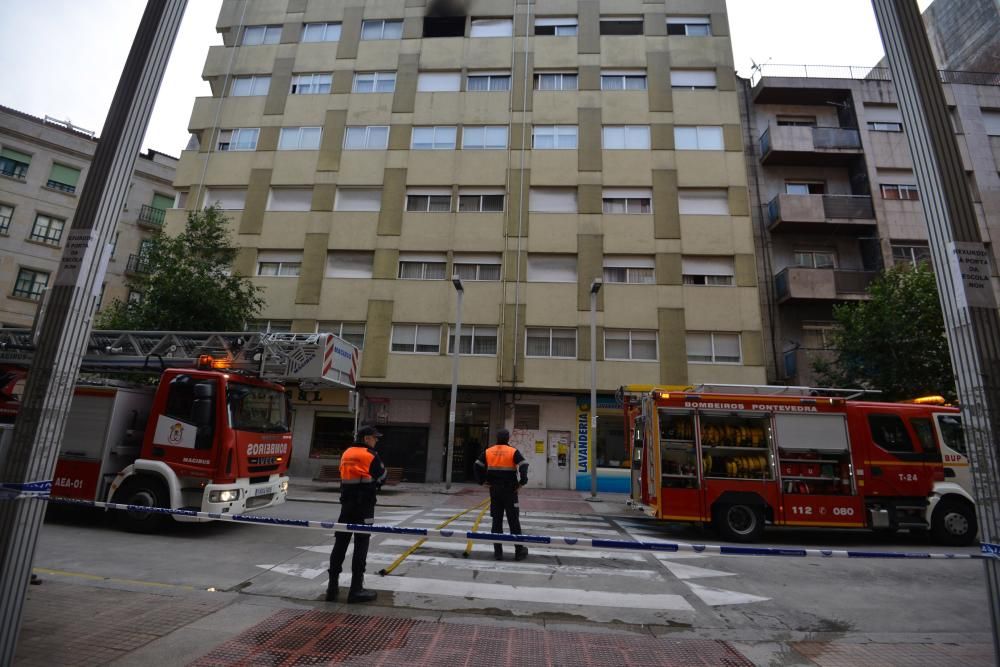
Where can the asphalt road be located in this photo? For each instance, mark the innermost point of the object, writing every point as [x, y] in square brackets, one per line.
[751, 596]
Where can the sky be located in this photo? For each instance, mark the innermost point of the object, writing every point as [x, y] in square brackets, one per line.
[72, 73]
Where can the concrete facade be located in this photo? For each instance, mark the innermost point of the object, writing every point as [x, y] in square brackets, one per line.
[553, 162]
[43, 168]
[835, 197]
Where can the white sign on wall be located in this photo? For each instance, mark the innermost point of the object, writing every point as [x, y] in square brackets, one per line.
[970, 266]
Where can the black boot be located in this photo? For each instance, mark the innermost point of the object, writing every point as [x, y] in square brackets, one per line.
[331, 588]
[520, 552]
[358, 592]
[497, 552]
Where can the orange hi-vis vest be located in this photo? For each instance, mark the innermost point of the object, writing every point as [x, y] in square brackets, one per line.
[356, 465]
[501, 458]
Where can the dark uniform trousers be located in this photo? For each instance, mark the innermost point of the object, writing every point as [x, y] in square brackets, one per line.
[357, 506]
[503, 500]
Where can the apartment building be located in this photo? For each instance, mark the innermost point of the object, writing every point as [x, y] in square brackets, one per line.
[43, 168]
[835, 196]
[367, 152]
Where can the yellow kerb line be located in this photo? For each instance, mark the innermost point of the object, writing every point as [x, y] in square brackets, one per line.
[97, 577]
[416, 546]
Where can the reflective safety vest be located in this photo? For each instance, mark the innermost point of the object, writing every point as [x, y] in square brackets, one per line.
[500, 457]
[356, 466]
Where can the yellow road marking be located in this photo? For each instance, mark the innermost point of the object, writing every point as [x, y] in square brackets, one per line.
[97, 577]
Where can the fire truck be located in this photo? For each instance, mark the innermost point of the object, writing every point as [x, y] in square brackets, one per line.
[740, 460]
[212, 435]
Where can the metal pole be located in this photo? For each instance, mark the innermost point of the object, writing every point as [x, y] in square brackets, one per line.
[961, 265]
[595, 287]
[457, 349]
[72, 298]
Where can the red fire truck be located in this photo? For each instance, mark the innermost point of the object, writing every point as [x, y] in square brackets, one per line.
[740, 460]
[213, 434]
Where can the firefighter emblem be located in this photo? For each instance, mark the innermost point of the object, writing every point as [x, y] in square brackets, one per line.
[176, 436]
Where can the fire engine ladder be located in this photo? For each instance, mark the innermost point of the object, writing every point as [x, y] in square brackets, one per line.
[781, 390]
[312, 360]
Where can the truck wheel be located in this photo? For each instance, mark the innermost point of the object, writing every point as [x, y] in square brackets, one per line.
[740, 523]
[145, 492]
[954, 523]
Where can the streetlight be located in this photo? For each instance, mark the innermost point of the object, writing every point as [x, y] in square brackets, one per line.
[595, 287]
[457, 348]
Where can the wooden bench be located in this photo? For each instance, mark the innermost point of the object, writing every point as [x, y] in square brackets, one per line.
[331, 473]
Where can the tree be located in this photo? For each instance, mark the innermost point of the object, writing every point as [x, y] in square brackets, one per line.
[895, 341]
[185, 283]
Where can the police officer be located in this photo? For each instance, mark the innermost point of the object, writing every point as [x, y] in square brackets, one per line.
[503, 469]
[361, 475]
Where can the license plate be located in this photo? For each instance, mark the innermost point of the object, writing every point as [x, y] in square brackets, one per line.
[263, 491]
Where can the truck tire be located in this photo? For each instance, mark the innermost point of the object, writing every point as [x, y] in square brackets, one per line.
[954, 523]
[147, 492]
[739, 523]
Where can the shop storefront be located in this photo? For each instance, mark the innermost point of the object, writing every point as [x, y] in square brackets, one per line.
[606, 447]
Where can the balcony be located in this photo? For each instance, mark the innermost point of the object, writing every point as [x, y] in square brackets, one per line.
[811, 146]
[136, 264]
[799, 283]
[820, 213]
[151, 217]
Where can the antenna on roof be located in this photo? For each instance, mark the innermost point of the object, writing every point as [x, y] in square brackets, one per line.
[69, 126]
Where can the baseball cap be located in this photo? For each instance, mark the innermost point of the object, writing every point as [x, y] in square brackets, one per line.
[368, 430]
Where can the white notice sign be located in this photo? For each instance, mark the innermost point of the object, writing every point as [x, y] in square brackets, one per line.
[970, 266]
[77, 254]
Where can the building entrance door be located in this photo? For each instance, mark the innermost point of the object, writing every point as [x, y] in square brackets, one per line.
[557, 448]
[472, 432]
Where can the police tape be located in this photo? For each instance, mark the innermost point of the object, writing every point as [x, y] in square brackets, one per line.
[987, 550]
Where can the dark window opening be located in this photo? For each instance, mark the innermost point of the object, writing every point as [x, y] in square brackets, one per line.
[621, 27]
[444, 26]
[889, 432]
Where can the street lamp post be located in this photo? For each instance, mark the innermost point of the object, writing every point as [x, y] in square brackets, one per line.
[595, 287]
[456, 351]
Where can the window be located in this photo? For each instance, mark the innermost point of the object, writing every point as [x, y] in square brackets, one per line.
[63, 178]
[559, 137]
[713, 347]
[180, 201]
[952, 432]
[114, 243]
[134, 297]
[469, 266]
[889, 432]
[629, 345]
[703, 270]
[621, 25]
[366, 138]
[299, 138]
[349, 264]
[880, 126]
[47, 229]
[14, 163]
[818, 335]
[910, 254]
[900, 191]
[693, 78]
[796, 121]
[626, 137]
[805, 187]
[438, 82]
[527, 417]
[484, 137]
[816, 259]
[491, 28]
[629, 270]
[488, 81]
[261, 34]
[285, 263]
[475, 201]
[545, 342]
[624, 201]
[381, 29]
[271, 326]
[689, 26]
[698, 138]
[249, 86]
[239, 139]
[421, 266]
[6, 215]
[442, 137]
[476, 340]
[374, 82]
[321, 32]
[556, 27]
[331, 434]
[552, 200]
[555, 81]
[352, 332]
[551, 268]
[358, 199]
[444, 26]
[693, 201]
[422, 200]
[883, 118]
[311, 84]
[290, 199]
[227, 199]
[991, 121]
[416, 338]
[30, 284]
[623, 80]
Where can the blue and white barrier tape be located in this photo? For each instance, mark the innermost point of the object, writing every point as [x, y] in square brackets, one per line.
[14, 490]
[987, 551]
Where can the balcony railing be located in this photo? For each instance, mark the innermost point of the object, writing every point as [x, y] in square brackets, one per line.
[13, 169]
[850, 207]
[151, 216]
[62, 187]
[864, 73]
[137, 264]
[796, 144]
[797, 282]
[836, 137]
[820, 211]
[5, 224]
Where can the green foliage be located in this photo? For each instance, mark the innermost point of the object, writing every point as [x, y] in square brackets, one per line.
[895, 341]
[187, 283]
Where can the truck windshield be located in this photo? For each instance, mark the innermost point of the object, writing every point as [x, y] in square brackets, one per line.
[952, 432]
[257, 409]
